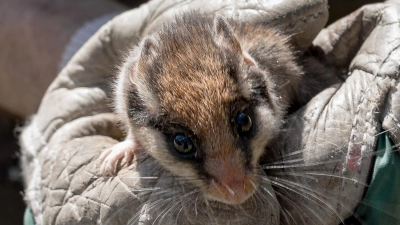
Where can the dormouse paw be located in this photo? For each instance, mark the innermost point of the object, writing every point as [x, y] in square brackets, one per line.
[109, 158]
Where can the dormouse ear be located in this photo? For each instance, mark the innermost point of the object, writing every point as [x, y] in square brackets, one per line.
[248, 60]
[227, 38]
[145, 55]
[225, 35]
[147, 47]
[139, 76]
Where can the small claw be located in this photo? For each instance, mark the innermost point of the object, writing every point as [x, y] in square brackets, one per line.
[110, 158]
[107, 169]
[129, 156]
[103, 155]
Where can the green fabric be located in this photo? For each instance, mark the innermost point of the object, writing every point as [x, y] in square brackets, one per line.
[381, 204]
[28, 218]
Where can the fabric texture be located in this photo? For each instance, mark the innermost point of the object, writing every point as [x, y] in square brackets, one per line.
[381, 204]
[28, 218]
[82, 35]
[319, 167]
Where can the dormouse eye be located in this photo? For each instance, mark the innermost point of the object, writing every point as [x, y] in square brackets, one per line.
[183, 145]
[243, 123]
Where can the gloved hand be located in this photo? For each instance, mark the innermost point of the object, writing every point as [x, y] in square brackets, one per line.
[327, 148]
[74, 124]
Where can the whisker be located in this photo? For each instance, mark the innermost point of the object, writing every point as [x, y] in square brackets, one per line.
[297, 175]
[208, 206]
[273, 197]
[337, 176]
[215, 185]
[195, 203]
[295, 165]
[180, 200]
[228, 188]
[385, 131]
[310, 175]
[162, 211]
[298, 165]
[177, 216]
[309, 192]
[294, 204]
[286, 212]
[300, 151]
[291, 154]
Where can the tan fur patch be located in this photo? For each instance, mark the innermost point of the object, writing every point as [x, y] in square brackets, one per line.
[197, 96]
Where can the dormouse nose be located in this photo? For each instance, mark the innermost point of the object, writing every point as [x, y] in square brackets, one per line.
[231, 182]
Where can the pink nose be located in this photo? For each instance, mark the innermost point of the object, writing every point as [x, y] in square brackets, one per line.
[231, 190]
[231, 183]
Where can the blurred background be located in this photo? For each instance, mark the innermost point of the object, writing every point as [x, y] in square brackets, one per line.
[33, 35]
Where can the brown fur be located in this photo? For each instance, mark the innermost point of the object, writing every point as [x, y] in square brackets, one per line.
[194, 76]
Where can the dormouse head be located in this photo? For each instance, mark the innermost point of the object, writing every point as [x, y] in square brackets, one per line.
[200, 105]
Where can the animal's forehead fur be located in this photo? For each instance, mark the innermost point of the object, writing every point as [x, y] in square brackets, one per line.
[196, 79]
[198, 97]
